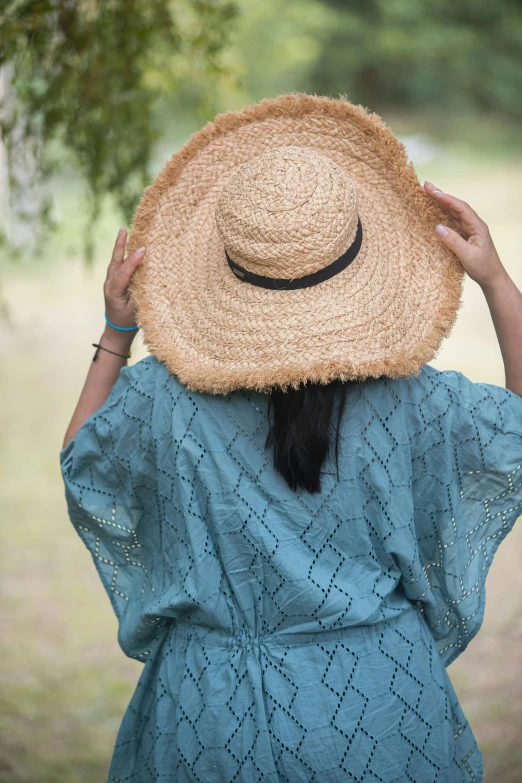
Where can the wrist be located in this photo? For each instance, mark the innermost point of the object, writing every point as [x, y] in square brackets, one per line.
[112, 337]
[497, 283]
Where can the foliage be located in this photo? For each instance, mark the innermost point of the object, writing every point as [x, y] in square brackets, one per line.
[98, 83]
[87, 74]
[274, 46]
[437, 53]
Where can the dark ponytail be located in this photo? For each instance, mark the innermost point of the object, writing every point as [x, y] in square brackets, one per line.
[301, 428]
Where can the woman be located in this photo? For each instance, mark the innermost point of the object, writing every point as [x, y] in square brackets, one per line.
[292, 512]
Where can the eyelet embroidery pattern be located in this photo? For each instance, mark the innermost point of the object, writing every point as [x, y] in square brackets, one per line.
[286, 636]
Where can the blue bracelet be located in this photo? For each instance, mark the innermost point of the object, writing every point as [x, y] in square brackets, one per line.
[121, 328]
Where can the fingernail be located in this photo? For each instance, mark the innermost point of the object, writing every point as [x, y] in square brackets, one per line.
[436, 190]
[442, 230]
[140, 251]
[120, 232]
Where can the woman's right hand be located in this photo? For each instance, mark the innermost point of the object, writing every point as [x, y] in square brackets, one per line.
[475, 249]
[478, 256]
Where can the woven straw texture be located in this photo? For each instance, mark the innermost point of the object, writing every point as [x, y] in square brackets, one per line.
[288, 213]
[280, 184]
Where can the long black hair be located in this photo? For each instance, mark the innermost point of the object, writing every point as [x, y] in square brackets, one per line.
[301, 429]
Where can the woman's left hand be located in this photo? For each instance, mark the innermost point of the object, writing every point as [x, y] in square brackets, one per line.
[118, 306]
[103, 373]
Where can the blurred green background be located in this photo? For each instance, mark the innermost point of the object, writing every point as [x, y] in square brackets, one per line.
[94, 99]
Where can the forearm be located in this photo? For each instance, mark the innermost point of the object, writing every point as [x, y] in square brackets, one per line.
[505, 305]
[101, 377]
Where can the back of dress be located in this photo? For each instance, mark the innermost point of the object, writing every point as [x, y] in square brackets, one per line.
[289, 636]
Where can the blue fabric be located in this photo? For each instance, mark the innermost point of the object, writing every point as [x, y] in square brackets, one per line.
[288, 636]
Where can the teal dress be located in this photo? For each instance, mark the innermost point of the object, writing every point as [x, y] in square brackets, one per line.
[287, 636]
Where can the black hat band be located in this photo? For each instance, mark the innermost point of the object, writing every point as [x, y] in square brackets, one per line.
[282, 284]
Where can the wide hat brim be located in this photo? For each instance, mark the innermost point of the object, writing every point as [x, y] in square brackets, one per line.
[385, 314]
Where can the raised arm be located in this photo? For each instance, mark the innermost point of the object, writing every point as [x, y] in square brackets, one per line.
[480, 259]
[103, 373]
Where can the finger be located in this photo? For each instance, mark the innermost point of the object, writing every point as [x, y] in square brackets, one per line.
[433, 192]
[462, 213]
[454, 242]
[130, 264]
[458, 209]
[119, 248]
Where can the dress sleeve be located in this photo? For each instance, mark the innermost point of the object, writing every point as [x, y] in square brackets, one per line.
[466, 450]
[109, 472]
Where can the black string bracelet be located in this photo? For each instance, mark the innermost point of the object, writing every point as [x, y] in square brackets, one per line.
[98, 346]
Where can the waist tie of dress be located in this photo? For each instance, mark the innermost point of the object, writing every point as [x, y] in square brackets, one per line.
[250, 640]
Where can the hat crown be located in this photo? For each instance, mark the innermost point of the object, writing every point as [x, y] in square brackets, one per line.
[287, 213]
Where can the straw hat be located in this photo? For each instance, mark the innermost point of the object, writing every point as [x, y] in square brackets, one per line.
[291, 242]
